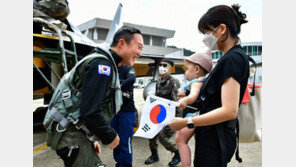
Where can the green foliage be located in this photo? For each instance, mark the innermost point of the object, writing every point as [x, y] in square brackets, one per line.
[187, 52]
[172, 46]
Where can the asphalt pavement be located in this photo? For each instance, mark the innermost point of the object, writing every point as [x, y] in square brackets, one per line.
[251, 153]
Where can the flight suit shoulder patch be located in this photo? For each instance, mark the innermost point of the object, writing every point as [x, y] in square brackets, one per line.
[104, 70]
[132, 72]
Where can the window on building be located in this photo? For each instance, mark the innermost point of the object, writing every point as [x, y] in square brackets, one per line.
[221, 54]
[217, 55]
[90, 34]
[259, 50]
[146, 39]
[255, 50]
[250, 50]
[102, 34]
[245, 49]
[157, 41]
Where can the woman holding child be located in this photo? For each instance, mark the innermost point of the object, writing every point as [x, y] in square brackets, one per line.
[220, 95]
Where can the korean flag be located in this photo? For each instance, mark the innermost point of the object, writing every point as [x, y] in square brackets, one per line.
[156, 114]
[104, 69]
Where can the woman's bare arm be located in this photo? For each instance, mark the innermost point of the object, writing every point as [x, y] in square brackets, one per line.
[230, 101]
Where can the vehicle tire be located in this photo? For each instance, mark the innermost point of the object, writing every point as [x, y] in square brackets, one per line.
[38, 117]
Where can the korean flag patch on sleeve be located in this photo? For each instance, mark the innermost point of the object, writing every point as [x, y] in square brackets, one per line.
[104, 70]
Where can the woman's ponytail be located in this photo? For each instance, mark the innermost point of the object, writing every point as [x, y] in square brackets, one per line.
[240, 16]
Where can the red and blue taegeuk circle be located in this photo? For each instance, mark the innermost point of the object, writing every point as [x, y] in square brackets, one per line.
[105, 68]
[158, 114]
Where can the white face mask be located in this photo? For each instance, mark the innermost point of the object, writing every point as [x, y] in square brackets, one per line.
[211, 41]
[162, 70]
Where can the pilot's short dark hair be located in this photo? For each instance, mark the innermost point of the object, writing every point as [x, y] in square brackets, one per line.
[168, 61]
[125, 32]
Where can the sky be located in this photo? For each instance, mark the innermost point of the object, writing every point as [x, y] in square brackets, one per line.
[182, 16]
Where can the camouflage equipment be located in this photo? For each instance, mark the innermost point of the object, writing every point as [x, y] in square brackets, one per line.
[51, 9]
[168, 89]
[87, 155]
[165, 138]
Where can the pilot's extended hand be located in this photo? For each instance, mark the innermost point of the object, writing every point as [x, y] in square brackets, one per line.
[114, 143]
[97, 147]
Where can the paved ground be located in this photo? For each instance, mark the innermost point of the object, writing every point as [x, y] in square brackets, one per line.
[251, 153]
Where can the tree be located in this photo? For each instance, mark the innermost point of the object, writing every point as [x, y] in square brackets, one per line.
[187, 52]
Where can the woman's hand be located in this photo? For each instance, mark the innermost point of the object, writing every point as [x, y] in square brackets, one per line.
[178, 124]
[183, 103]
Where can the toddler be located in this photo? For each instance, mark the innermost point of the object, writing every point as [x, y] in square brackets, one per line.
[197, 66]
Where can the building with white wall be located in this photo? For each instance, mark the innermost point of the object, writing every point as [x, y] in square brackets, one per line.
[254, 49]
[154, 38]
[155, 46]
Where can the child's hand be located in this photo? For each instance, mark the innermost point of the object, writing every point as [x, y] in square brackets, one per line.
[180, 95]
[183, 103]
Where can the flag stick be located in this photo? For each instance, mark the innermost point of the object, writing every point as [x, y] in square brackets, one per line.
[192, 107]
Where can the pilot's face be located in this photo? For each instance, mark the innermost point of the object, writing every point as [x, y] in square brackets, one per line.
[133, 50]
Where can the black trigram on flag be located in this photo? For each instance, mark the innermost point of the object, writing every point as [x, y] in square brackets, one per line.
[152, 100]
[146, 128]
